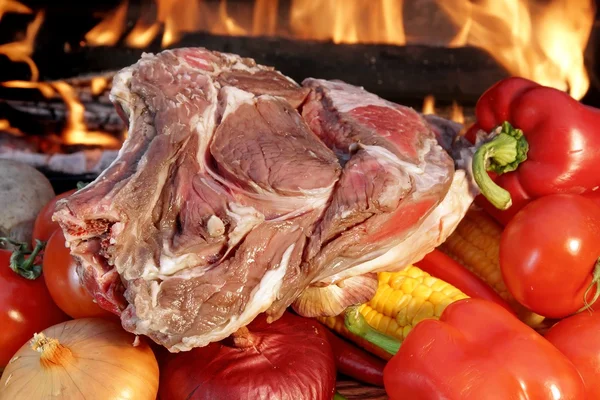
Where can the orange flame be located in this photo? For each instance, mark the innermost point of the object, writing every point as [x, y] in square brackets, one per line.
[45, 88]
[75, 131]
[5, 126]
[375, 21]
[542, 41]
[98, 84]
[21, 50]
[142, 34]
[109, 31]
[428, 105]
[264, 17]
[11, 6]
[457, 113]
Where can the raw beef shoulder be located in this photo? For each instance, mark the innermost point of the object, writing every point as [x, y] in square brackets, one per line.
[239, 192]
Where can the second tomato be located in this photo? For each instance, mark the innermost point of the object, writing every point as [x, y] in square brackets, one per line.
[549, 252]
[63, 282]
[44, 227]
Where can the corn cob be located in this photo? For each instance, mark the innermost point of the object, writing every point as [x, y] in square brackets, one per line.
[476, 244]
[402, 300]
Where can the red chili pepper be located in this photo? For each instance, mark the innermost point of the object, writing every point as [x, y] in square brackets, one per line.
[355, 362]
[547, 143]
[447, 269]
[475, 351]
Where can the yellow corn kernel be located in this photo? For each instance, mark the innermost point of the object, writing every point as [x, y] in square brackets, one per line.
[403, 299]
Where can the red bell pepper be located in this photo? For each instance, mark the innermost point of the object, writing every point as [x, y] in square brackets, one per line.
[476, 351]
[548, 143]
[577, 338]
[594, 196]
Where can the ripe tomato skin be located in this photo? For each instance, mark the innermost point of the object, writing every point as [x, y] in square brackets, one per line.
[25, 308]
[44, 227]
[63, 284]
[577, 338]
[548, 252]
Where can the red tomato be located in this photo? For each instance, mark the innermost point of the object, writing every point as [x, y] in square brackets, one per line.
[44, 227]
[577, 338]
[548, 252]
[63, 282]
[25, 308]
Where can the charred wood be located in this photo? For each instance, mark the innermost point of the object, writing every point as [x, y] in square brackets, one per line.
[30, 111]
[394, 72]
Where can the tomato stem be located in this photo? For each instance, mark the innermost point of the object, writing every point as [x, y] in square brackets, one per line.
[502, 154]
[595, 283]
[26, 267]
[357, 324]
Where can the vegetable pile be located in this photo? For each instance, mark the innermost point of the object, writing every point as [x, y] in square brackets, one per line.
[505, 308]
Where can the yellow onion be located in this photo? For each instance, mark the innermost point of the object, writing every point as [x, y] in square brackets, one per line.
[88, 358]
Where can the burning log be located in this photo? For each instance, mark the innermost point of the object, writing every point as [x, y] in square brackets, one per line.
[41, 117]
[398, 73]
[40, 112]
[66, 127]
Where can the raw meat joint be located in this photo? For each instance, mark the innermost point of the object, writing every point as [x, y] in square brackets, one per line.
[239, 191]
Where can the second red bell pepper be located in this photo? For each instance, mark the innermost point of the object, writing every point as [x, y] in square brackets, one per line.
[546, 142]
[476, 351]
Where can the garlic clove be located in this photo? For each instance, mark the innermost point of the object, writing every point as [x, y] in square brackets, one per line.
[332, 300]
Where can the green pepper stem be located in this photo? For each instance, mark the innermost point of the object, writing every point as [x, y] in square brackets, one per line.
[502, 154]
[25, 267]
[338, 396]
[81, 185]
[357, 324]
[595, 283]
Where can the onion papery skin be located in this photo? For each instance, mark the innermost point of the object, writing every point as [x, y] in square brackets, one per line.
[289, 359]
[95, 360]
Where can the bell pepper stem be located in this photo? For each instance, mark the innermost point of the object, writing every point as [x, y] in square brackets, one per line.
[357, 324]
[502, 154]
[338, 396]
[594, 284]
[26, 267]
[81, 185]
